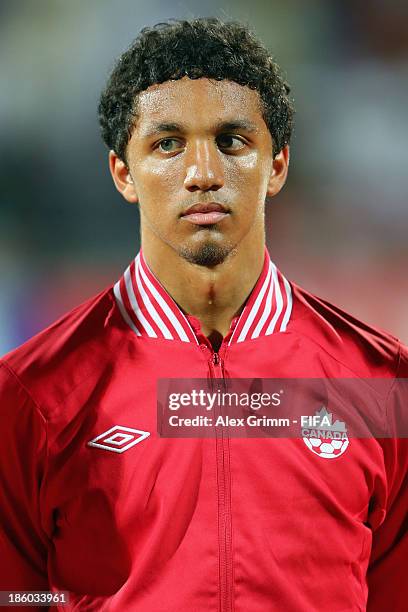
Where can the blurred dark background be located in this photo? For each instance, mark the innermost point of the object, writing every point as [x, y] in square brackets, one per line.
[340, 226]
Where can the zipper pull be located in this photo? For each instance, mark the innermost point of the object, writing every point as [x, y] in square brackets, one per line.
[216, 359]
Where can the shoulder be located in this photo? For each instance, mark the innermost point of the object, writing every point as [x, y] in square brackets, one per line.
[60, 357]
[365, 349]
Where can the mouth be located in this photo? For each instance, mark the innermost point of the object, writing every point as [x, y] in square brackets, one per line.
[205, 214]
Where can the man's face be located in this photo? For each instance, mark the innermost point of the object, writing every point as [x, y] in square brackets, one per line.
[200, 165]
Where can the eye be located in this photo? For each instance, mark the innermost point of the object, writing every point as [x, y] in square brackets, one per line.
[229, 141]
[168, 145]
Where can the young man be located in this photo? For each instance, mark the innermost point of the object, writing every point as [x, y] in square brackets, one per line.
[197, 118]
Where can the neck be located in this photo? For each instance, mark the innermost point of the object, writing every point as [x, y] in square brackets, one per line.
[212, 295]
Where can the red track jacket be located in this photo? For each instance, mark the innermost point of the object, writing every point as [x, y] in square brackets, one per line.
[186, 525]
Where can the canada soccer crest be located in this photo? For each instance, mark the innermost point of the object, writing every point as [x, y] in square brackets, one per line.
[323, 437]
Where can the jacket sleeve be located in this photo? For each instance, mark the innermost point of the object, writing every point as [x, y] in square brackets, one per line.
[23, 453]
[387, 572]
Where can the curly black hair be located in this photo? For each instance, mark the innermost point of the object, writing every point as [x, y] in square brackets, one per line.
[204, 47]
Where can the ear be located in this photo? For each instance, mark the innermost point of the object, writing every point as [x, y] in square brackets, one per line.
[122, 178]
[279, 172]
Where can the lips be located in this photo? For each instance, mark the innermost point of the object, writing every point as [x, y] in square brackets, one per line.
[205, 214]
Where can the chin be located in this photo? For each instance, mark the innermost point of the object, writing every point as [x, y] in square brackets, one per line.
[208, 254]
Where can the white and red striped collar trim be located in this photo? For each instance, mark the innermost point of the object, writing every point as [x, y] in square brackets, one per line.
[147, 307]
[151, 312]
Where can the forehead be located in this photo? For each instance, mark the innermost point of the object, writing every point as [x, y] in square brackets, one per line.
[204, 101]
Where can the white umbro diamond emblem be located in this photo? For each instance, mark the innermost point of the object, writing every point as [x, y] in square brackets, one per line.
[118, 439]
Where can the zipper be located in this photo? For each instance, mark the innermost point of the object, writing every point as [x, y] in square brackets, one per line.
[222, 447]
[217, 363]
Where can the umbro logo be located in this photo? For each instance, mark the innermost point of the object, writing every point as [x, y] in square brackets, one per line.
[119, 439]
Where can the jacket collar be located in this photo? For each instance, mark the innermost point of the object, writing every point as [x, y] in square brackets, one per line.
[151, 312]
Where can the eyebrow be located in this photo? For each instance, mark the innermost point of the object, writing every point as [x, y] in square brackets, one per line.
[158, 128]
[224, 126]
[237, 124]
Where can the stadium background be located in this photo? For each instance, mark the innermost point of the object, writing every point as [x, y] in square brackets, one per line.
[340, 226]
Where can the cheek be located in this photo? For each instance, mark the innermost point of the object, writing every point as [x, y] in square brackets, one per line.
[155, 179]
[249, 174]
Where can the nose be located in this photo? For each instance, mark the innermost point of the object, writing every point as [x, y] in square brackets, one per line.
[204, 170]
